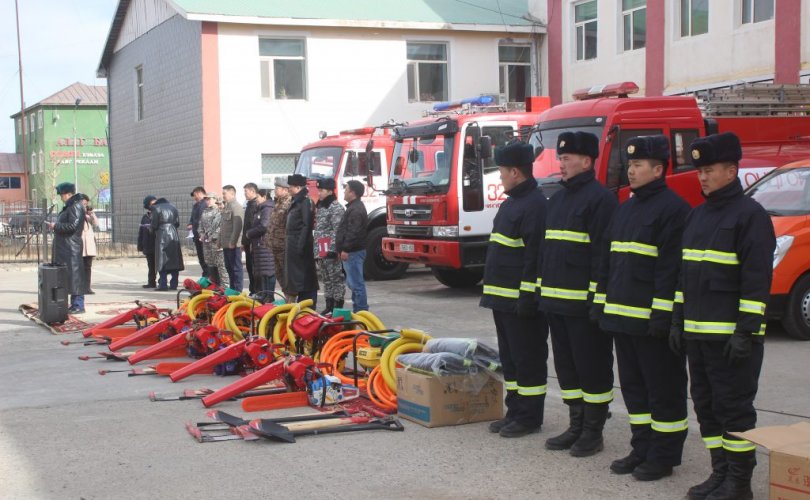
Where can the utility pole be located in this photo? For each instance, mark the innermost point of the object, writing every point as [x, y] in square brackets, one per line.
[22, 98]
[75, 170]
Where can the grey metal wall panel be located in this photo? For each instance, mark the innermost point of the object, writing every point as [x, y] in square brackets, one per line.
[162, 153]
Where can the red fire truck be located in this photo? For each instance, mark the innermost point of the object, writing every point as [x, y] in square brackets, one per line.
[343, 157]
[445, 188]
[431, 227]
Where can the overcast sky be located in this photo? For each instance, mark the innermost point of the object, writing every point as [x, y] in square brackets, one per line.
[62, 43]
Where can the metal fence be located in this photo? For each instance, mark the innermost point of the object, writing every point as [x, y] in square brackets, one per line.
[23, 237]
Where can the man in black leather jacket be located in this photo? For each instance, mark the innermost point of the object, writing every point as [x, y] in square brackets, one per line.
[67, 243]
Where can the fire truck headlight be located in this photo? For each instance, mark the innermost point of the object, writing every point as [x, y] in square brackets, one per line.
[445, 231]
[782, 246]
[392, 229]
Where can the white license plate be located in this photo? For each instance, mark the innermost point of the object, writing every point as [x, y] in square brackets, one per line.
[406, 247]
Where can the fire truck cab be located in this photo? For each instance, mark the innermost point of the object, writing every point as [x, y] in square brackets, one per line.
[344, 157]
[444, 187]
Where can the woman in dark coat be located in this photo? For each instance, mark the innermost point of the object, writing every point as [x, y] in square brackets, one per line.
[67, 244]
[299, 262]
[168, 253]
[264, 268]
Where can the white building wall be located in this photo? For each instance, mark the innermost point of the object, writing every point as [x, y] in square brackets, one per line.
[359, 76]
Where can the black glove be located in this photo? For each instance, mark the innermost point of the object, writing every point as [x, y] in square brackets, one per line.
[676, 340]
[658, 333]
[595, 313]
[526, 308]
[331, 255]
[738, 347]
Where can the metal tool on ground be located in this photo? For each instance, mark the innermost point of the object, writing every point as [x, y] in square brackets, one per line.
[132, 372]
[288, 433]
[263, 390]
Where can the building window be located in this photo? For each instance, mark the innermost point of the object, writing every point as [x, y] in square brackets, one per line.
[31, 124]
[276, 166]
[19, 128]
[283, 68]
[139, 93]
[427, 71]
[694, 17]
[33, 163]
[10, 182]
[515, 71]
[41, 161]
[634, 19]
[39, 118]
[34, 198]
[585, 27]
[754, 11]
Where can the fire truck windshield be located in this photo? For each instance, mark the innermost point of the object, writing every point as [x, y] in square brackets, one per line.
[422, 163]
[318, 162]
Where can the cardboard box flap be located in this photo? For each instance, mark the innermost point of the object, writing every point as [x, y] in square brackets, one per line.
[786, 438]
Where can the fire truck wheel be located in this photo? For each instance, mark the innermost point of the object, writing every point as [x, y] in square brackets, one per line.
[376, 266]
[797, 316]
[459, 278]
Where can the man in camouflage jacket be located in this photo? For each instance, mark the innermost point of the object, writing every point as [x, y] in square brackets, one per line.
[212, 246]
[327, 219]
[277, 234]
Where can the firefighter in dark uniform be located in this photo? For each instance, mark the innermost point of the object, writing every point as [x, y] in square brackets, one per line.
[509, 290]
[570, 256]
[634, 299]
[719, 316]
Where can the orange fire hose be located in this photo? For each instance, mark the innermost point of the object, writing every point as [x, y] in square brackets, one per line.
[335, 350]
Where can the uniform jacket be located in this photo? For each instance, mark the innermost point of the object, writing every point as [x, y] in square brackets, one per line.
[510, 271]
[165, 221]
[639, 274]
[328, 215]
[230, 231]
[146, 239]
[574, 244]
[299, 264]
[726, 268]
[351, 233]
[89, 235]
[210, 225]
[278, 225]
[250, 209]
[67, 243]
[263, 263]
[196, 214]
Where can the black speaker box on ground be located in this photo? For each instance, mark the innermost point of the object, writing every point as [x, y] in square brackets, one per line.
[53, 296]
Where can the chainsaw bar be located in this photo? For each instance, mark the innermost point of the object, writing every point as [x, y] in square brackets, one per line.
[201, 393]
[211, 434]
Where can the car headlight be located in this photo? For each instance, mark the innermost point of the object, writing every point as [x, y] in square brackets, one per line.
[392, 229]
[782, 246]
[445, 231]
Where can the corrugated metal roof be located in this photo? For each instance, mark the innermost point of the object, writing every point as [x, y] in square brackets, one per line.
[91, 95]
[489, 12]
[11, 163]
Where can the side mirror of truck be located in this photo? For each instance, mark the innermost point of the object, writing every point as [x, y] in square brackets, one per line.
[370, 167]
[485, 147]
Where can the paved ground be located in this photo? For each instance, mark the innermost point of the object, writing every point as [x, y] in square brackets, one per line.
[66, 432]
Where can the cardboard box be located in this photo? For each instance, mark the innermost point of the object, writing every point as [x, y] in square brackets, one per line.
[435, 401]
[789, 461]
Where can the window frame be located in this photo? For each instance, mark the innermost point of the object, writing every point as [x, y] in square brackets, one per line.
[41, 161]
[267, 77]
[583, 38]
[678, 167]
[504, 71]
[691, 31]
[631, 13]
[39, 119]
[752, 12]
[415, 64]
[139, 85]
[33, 162]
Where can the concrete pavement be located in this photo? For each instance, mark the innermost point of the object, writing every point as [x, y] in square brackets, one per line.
[66, 432]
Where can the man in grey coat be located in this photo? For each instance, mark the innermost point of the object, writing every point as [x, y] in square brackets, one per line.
[230, 234]
[67, 243]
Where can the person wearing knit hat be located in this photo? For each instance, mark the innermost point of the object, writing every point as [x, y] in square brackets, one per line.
[719, 314]
[146, 241]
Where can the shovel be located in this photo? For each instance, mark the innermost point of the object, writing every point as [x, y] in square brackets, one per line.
[288, 433]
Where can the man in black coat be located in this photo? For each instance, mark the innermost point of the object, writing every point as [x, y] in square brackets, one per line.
[146, 241]
[300, 274]
[168, 252]
[250, 190]
[350, 243]
[67, 243]
[198, 194]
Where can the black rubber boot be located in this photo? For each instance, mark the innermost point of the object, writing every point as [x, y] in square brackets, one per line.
[737, 484]
[569, 437]
[590, 441]
[719, 470]
[627, 464]
[652, 471]
[496, 426]
[339, 304]
[515, 429]
[330, 304]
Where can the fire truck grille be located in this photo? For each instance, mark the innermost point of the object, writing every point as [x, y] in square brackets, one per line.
[413, 231]
[411, 212]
